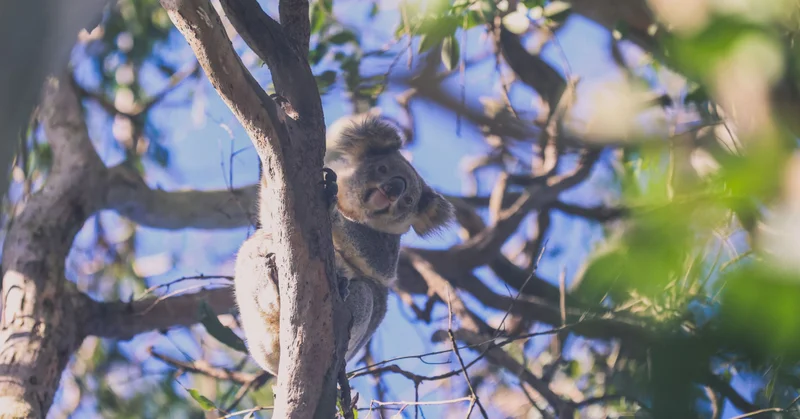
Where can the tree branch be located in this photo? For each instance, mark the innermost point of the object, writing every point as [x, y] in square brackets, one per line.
[485, 246]
[286, 54]
[175, 210]
[123, 320]
[206, 369]
[295, 24]
[532, 69]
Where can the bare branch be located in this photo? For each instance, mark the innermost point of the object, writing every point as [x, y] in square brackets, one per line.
[484, 247]
[221, 209]
[204, 368]
[499, 357]
[122, 320]
[532, 69]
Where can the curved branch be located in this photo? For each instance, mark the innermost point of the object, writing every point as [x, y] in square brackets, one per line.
[485, 246]
[532, 69]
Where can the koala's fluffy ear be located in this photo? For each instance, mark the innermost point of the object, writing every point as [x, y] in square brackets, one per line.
[358, 136]
[434, 212]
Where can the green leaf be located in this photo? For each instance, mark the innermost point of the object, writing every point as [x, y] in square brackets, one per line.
[697, 96]
[472, 19]
[218, 330]
[533, 3]
[317, 19]
[435, 31]
[342, 38]
[204, 402]
[450, 52]
[373, 11]
[325, 80]
[328, 76]
[698, 54]
[316, 54]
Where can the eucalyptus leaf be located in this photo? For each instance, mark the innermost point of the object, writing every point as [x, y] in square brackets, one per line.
[216, 329]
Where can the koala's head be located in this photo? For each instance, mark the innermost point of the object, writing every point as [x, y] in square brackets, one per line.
[378, 187]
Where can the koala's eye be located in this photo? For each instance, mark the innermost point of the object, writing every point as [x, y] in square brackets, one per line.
[408, 200]
[383, 169]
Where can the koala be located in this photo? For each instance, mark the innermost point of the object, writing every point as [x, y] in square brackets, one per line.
[379, 197]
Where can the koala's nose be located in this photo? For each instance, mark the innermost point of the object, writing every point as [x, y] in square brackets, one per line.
[394, 187]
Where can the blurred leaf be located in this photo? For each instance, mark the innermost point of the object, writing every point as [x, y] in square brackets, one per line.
[315, 55]
[697, 96]
[530, 4]
[516, 22]
[760, 310]
[473, 19]
[342, 37]
[202, 400]
[697, 55]
[317, 19]
[220, 332]
[158, 153]
[435, 31]
[557, 11]
[450, 52]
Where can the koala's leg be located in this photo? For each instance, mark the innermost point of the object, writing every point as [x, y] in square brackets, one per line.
[366, 301]
[258, 298]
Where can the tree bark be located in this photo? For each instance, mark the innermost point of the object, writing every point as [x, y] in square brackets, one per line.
[291, 146]
[41, 310]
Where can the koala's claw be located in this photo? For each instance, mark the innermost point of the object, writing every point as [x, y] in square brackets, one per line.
[329, 183]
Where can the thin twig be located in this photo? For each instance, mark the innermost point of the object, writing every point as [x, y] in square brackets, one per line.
[461, 360]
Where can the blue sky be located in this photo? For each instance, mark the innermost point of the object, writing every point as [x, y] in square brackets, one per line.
[202, 137]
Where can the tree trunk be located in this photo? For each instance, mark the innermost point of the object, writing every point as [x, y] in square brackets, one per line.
[41, 310]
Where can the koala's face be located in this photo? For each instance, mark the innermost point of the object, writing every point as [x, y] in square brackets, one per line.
[378, 187]
[382, 192]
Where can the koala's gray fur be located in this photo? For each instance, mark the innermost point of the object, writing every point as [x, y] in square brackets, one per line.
[380, 197]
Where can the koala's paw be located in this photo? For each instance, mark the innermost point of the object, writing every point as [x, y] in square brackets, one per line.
[284, 104]
[330, 186]
[344, 286]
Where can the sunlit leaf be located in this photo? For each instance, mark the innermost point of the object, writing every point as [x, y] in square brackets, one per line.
[516, 22]
[557, 11]
[435, 31]
[202, 400]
